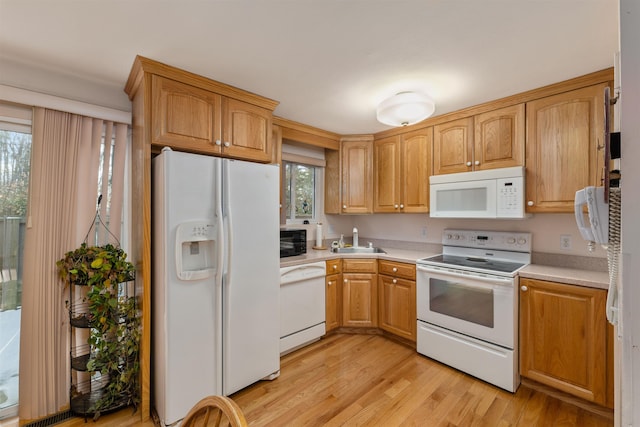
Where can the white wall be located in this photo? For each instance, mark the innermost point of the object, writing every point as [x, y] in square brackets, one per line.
[35, 78]
[546, 229]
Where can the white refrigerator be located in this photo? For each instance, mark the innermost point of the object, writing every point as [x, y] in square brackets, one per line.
[215, 283]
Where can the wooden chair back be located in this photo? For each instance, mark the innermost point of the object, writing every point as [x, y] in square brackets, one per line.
[215, 411]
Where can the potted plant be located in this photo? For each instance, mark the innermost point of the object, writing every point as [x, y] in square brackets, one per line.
[111, 314]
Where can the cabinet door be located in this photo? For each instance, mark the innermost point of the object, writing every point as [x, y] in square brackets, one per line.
[359, 300]
[333, 297]
[416, 168]
[185, 117]
[562, 156]
[247, 131]
[453, 146]
[387, 175]
[499, 138]
[332, 183]
[356, 169]
[397, 306]
[563, 338]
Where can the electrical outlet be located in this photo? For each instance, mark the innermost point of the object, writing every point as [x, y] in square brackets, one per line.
[424, 231]
[565, 242]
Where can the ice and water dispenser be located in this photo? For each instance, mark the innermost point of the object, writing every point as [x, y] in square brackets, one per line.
[196, 250]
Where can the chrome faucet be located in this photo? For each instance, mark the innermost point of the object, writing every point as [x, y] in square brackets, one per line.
[355, 237]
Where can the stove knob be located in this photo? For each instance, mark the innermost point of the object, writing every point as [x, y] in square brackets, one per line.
[456, 237]
[522, 241]
[449, 237]
[511, 240]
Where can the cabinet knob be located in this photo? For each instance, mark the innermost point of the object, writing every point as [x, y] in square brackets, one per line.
[218, 142]
[227, 144]
[345, 280]
[530, 203]
[344, 206]
[468, 163]
[335, 267]
[477, 162]
[401, 206]
[395, 206]
[395, 281]
[394, 269]
[524, 288]
[329, 283]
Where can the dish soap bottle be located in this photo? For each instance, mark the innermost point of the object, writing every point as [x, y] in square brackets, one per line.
[341, 242]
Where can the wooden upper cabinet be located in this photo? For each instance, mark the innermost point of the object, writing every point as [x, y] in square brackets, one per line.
[453, 146]
[416, 169]
[562, 156]
[246, 131]
[191, 113]
[356, 155]
[499, 138]
[402, 165]
[490, 140]
[185, 117]
[387, 174]
[564, 339]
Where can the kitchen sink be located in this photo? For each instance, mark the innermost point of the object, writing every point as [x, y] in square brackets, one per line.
[358, 250]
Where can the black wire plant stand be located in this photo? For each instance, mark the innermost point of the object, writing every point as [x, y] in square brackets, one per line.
[104, 326]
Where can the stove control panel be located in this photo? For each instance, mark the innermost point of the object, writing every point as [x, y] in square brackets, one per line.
[502, 240]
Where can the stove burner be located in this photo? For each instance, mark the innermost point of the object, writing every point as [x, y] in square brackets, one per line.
[474, 263]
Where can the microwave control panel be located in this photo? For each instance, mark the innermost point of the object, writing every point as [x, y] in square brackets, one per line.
[510, 197]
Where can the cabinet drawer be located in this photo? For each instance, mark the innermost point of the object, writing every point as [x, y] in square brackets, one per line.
[397, 269]
[354, 265]
[334, 266]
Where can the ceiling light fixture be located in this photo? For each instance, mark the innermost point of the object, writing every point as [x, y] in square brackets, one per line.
[405, 108]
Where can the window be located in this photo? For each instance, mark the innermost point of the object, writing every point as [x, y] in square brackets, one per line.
[299, 192]
[15, 157]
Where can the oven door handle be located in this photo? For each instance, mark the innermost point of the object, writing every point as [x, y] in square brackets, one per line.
[504, 281]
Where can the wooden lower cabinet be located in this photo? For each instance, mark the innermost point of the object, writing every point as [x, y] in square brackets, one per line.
[565, 339]
[333, 295]
[359, 293]
[397, 298]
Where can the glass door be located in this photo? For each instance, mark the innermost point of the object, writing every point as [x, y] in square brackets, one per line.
[15, 154]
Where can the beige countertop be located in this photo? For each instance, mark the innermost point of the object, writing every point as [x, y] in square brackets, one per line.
[571, 276]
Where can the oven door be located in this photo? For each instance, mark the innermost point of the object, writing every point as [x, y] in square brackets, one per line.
[481, 306]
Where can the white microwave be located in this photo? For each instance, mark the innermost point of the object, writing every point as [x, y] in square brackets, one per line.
[494, 193]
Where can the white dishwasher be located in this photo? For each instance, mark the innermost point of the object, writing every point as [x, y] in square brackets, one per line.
[302, 305]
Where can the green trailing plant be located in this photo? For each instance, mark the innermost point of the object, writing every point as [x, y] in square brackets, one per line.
[114, 320]
[90, 265]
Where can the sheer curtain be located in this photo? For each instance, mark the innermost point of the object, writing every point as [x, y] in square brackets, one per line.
[69, 162]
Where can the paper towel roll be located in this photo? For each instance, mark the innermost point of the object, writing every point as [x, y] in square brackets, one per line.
[319, 235]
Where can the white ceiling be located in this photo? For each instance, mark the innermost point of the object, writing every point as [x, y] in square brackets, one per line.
[328, 62]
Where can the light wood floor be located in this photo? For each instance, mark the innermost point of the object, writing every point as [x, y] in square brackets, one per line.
[369, 380]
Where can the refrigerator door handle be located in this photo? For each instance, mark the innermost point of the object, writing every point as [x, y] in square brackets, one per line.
[228, 222]
[219, 226]
[220, 271]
